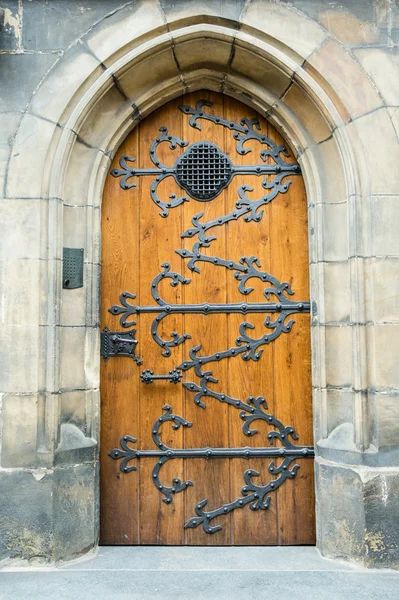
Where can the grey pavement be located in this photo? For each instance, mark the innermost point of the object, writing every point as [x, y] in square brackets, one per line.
[206, 573]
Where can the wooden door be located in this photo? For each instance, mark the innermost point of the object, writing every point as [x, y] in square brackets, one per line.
[206, 351]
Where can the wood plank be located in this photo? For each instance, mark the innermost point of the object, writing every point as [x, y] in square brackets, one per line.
[160, 523]
[248, 378]
[210, 426]
[119, 377]
[291, 352]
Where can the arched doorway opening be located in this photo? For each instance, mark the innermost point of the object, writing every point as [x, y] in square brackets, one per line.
[205, 195]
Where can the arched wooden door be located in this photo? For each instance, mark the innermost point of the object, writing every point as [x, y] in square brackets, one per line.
[206, 351]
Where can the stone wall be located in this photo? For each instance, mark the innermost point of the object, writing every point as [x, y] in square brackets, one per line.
[75, 79]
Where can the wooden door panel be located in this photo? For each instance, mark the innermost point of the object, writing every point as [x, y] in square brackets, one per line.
[137, 242]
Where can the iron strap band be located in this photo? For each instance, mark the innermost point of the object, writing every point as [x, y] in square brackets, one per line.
[208, 453]
[239, 307]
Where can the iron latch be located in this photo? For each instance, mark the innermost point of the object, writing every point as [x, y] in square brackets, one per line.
[117, 343]
[174, 376]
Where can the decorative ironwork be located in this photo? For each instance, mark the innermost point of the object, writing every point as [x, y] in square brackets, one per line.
[246, 269]
[161, 171]
[203, 170]
[174, 376]
[247, 129]
[255, 495]
[116, 343]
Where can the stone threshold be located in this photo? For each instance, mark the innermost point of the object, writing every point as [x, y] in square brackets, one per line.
[200, 573]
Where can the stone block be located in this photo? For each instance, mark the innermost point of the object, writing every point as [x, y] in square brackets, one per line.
[75, 226]
[19, 431]
[76, 70]
[333, 218]
[338, 356]
[203, 52]
[26, 513]
[21, 224]
[29, 157]
[74, 447]
[381, 509]
[29, 68]
[93, 403]
[112, 108]
[382, 66]
[72, 353]
[339, 512]
[50, 24]
[393, 112]
[94, 247]
[346, 78]
[385, 373]
[123, 29]
[73, 408]
[385, 420]
[337, 292]
[10, 26]
[21, 278]
[333, 95]
[348, 28]
[83, 163]
[298, 101]
[329, 162]
[262, 71]
[288, 27]
[92, 357]
[364, 9]
[339, 408]
[80, 358]
[382, 285]
[217, 11]
[384, 231]
[19, 362]
[75, 511]
[375, 145]
[233, 86]
[8, 127]
[87, 302]
[357, 510]
[73, 305]
[147, 73]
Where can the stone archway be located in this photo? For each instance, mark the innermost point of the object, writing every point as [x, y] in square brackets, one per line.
[109, 81]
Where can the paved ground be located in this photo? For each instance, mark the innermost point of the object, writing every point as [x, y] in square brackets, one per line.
[151, 573]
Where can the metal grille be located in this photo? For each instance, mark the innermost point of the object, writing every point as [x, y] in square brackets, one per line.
[203, 171]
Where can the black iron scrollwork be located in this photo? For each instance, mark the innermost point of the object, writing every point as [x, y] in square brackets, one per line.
[257, 496]
[248, 268]
[160, 171]
[203, 170]
[248, 129]
[163, 309]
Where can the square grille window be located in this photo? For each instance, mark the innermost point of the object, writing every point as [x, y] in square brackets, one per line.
[203, 170]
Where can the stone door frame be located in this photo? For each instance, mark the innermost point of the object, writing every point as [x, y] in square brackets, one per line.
[84, 108]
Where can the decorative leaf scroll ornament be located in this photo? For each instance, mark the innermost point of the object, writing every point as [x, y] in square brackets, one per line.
[203, 170]
[256, 495]
[246, 346]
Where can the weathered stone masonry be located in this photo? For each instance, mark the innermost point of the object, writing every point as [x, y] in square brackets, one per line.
[75, 79]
